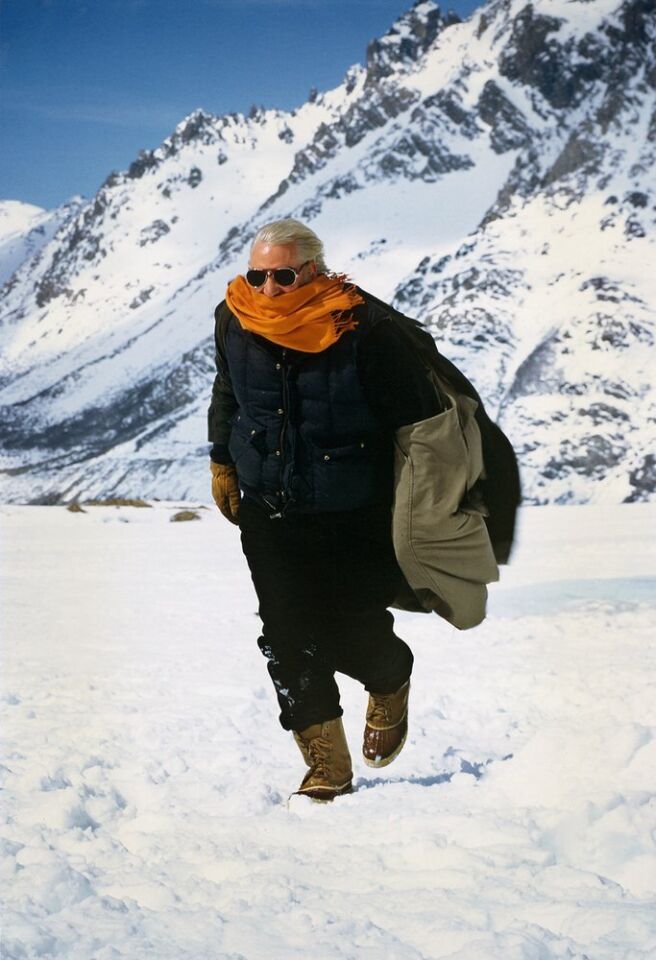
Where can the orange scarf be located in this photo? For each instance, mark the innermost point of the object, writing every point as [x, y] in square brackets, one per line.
[309, 318]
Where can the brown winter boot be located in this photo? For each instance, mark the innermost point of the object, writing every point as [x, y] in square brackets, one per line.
[326, 753]
[386, 727]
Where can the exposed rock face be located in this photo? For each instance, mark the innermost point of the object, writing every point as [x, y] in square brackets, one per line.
[509, 129]
[535, 58]
[493, 177]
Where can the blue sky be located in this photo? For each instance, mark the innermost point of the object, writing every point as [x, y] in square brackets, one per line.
[86, 84]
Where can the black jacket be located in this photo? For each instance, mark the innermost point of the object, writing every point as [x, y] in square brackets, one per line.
[315, 431]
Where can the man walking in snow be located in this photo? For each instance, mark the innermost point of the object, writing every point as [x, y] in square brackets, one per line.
[312, 382]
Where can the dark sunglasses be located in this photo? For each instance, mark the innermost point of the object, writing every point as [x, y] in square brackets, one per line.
[284, 276]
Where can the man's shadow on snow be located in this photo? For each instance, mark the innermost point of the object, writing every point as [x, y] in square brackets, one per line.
[475, 770]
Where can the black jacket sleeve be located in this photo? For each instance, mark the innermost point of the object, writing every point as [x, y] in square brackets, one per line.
[223, 404]
[394, 379]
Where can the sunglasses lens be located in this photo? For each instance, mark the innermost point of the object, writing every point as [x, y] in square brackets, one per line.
[285, 276]
[256, 277]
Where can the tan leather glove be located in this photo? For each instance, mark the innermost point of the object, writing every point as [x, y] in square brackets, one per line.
[225, 490]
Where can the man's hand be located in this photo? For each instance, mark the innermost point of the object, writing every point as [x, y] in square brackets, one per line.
[225, 490]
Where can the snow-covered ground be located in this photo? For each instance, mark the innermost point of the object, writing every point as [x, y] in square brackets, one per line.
[147, 778]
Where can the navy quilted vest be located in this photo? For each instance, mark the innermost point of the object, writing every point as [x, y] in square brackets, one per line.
[303, 437]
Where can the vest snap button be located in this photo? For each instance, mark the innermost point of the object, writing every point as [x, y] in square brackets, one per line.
[277, 366]
[253, 433]
[327, 456]
[362, 443]
[280, 410]
[277, 453]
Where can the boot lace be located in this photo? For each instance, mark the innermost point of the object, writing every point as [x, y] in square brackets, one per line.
[381, 708]
[319, 751]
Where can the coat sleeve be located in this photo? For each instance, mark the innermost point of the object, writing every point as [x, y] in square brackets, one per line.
[394, 379]
[223, 403]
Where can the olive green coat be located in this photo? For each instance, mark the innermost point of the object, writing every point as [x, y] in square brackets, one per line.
[439, 532]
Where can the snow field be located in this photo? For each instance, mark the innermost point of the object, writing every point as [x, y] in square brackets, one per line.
[147, 780]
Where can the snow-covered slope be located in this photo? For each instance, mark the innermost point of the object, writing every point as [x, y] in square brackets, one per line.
[493, 177]
[146, 777]
[25, 229]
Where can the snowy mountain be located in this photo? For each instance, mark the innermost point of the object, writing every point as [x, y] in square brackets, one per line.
[493, 177]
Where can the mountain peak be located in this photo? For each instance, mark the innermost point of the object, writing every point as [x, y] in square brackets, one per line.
[407, 39]
[198, 125]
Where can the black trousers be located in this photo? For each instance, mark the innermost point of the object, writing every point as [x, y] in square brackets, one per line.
[324, 582]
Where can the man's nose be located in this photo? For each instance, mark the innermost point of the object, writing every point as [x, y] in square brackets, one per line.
[270, 288]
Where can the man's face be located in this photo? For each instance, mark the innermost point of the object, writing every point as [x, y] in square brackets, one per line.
[265, 256]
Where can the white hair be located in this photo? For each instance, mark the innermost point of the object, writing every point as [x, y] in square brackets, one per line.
[307, 243]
